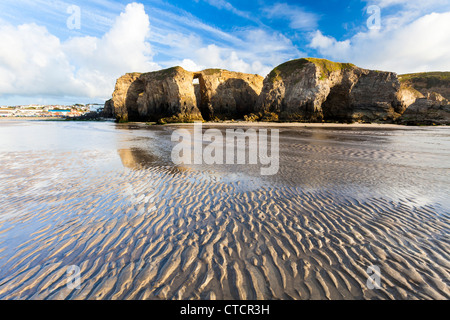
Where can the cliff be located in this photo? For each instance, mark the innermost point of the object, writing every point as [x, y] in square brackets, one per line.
[306, 90]
[428, 82]
[228, 95]
[314, 90]
[171, 95]
[433, 109]
[155, 95]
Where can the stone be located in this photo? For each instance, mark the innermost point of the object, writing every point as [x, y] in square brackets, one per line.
[227, 95]
[316, 90]
[155, 95]
[305, 90]
[433, 109]
[428, 82]
[171, 95]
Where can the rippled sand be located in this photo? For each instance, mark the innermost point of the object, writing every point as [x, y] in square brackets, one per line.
[140, 228]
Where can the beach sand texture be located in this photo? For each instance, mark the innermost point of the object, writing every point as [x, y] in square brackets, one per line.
[105, 198]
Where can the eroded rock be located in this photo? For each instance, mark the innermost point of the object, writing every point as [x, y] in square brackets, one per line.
[228, 95]
[171, 95]
[307, 90]
[433, 109]
[313, 90]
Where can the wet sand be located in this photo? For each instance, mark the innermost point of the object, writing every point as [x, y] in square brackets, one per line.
[106, 198]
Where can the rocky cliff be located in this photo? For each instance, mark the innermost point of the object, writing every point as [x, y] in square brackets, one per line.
[171, 95]
[428, 82]
[433, 109]
[155, 95]
[309, 90]
[316, 89]
[228, 95]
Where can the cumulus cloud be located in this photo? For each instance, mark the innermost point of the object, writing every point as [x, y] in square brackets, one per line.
[259, 52]
[35, 62]
[420, 45]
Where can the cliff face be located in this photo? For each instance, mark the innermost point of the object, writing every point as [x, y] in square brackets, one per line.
[167, 93]
[172, 95]
[155, 95]
[124, 93]
[428, 82]
[228, 95]
[317, 89]
[310, 90]
[432, 109]
[108, 110]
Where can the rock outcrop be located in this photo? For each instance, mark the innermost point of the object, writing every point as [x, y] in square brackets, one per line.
[108, 111]
[155, 95]
[313, 90]
[428, 82]
[307, 90]
[433, 109]
[171, 95]
[228, 95]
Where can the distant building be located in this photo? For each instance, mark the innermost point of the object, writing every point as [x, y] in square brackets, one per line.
[54, 112]
[7, 113]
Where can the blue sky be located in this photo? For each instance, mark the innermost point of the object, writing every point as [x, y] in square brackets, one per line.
[42, 60]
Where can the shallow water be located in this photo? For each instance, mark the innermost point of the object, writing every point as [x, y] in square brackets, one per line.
[106, 197]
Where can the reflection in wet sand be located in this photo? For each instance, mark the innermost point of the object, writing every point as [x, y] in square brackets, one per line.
[140, 228]
[136, 158]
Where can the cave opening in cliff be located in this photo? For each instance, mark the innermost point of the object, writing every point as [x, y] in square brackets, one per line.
[337, 105]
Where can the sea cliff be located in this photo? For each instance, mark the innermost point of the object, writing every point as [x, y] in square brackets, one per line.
[302, 90]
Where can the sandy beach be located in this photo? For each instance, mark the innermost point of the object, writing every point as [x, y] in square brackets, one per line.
[106, 198]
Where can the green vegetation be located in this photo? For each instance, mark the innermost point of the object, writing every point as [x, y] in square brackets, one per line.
[426, 79]
[262, 116]
[134, 74]
[327, 67]
[210, 72]
[165, 73]
[252, 117]
[179, 119]
[288, 68]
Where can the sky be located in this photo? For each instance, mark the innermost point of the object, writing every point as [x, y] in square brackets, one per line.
[66, 52]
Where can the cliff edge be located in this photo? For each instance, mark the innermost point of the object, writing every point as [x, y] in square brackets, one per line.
[174, 95]
[304, 90]
[316, 90]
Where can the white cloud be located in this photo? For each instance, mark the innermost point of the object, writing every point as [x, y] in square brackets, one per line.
[259, 53]
[35, 62]
[222, 4]
[416, 4]
[420, 45]
[298, 17]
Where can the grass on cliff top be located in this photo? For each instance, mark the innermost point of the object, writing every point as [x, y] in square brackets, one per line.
[134, 74]
[210, 72]
[164, 73]
[326, 67]
[430, 79]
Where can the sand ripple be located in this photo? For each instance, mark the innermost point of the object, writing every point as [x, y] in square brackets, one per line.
[181, 233]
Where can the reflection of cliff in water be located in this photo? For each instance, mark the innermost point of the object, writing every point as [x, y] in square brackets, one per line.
[136, 158]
